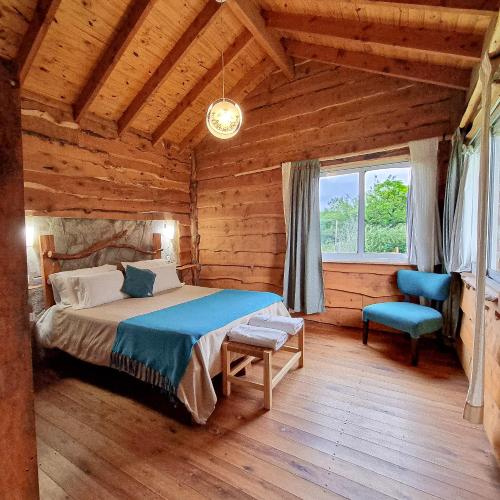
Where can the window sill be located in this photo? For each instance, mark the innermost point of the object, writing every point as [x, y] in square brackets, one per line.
[390, 261]
[492, 288]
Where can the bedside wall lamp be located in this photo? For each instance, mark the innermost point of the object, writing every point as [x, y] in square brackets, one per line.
[30, 234]
[168, 229]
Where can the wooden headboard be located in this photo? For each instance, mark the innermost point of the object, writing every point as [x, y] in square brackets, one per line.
[50, 260]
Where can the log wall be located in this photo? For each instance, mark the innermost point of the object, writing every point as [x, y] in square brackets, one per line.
[492, 360]
[18, 463]
[324, 112]
[90, 172]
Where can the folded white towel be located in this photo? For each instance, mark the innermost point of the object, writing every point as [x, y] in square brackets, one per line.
[285, 323]
[258, 336]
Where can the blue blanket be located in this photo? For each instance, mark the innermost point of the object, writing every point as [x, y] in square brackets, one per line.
[156, 347]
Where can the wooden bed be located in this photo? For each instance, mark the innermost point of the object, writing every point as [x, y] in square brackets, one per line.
[91, 334]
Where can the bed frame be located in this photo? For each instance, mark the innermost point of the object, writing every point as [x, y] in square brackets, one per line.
[50, 259]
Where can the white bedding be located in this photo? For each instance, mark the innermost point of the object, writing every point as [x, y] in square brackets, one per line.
[89, 334]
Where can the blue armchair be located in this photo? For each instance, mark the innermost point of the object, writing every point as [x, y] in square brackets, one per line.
[408, 317]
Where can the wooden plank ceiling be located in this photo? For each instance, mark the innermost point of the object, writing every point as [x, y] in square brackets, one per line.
[154, 65]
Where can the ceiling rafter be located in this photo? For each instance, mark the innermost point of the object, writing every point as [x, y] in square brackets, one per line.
[249, 15]
[185, 42]
[129, 25]
[475, 7]
[398, 68]
[466, 46]
[250, 80]
[43, 15]
[229, 54]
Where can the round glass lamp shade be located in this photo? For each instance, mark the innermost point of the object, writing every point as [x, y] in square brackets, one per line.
[224, 118]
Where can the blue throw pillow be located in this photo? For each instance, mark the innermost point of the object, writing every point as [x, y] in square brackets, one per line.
[138, 282]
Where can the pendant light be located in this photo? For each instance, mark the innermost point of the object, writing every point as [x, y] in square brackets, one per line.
[224, 116]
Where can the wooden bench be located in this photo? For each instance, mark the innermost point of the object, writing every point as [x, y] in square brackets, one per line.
[252, 353]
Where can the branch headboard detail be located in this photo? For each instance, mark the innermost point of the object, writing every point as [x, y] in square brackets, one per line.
[50, 259]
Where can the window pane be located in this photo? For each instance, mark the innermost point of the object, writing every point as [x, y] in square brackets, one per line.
[494, 264]
[339, 200]
[386, 193]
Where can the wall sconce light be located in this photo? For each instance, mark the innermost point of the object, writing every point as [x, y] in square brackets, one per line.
[30, 235]
[169, 229]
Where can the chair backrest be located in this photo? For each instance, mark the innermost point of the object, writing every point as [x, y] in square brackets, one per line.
[432, 286]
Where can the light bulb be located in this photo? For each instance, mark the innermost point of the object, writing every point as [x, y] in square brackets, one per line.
[224, 118]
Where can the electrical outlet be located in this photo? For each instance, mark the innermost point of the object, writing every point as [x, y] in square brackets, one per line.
[32, 317]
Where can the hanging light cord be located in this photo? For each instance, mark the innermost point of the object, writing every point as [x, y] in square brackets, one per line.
[222, 50]
[223, 86]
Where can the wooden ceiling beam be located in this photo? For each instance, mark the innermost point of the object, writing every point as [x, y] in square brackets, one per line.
[249, 15]
[475, 7]
[254, 77]
[398, 68]
[462, 45]
[231, 53]
[185, 42]
[130, 24]
[43, 15]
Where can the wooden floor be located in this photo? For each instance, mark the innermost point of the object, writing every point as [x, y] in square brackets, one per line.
[356, 422]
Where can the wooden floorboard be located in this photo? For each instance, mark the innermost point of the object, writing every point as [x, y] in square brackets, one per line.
[356, 422]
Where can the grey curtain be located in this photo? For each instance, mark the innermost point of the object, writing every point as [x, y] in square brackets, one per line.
[303, 279]
[456, 171]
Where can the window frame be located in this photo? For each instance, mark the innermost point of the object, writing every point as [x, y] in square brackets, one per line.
[362, 256]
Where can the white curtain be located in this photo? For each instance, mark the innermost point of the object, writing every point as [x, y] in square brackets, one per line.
[463, 248]
[424, 231]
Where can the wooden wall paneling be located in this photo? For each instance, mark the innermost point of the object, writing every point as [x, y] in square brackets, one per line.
[129, 25]
[344, 110]
[309, 77]
[18, 461]
[411, 70]
[337, 133]
[491, 420]
[188, 38]
[71, 172]
[334, 91]
[43, 16]
[195, 235]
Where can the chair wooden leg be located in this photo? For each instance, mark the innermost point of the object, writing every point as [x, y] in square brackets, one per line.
[414, 351]
[301, 341]
[365, 332]
[268, 380]
[226, 368]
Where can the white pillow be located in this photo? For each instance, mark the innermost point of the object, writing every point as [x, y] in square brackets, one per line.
[146, 264]
[93, 290]
[63, 294]
[166, 278]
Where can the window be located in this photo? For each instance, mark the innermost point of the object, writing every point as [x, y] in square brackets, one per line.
[494, 199]
[363, 213]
